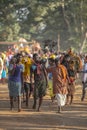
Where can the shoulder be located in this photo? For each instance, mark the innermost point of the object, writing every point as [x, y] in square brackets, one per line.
[21, 67]
[63, 68]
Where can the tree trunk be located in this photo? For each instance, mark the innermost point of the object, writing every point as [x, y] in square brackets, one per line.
[58, 44]
[83, 43]
[66, 17]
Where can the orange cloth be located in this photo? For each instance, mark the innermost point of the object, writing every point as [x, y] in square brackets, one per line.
[64, 71]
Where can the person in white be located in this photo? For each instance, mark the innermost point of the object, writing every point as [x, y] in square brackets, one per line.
[84, 80]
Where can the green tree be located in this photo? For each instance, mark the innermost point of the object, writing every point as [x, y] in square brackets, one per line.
[45, 19]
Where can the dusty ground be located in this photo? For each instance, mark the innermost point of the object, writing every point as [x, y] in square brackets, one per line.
[73, 117]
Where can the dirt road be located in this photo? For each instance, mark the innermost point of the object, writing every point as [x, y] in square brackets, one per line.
[73, 117]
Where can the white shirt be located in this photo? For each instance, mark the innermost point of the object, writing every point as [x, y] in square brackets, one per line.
[85, 73]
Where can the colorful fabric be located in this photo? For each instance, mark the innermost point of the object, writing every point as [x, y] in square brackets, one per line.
[59, 84]
[27, 64]
[64, 71]
[38, 76]
[78, 63]
[3, 74]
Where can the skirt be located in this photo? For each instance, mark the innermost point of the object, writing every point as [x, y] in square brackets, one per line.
[39, 89]
[61, 99]
[14, 88]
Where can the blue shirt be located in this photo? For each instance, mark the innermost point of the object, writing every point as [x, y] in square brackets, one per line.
[16, 77]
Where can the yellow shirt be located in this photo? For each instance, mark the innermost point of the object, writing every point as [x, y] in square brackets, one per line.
[27, 64]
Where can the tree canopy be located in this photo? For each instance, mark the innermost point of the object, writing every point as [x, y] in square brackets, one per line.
[45, 19]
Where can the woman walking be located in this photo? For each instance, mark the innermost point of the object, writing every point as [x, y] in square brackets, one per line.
[40, 79]
[15, 81]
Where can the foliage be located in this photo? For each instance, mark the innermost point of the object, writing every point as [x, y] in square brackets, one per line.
[45, 19]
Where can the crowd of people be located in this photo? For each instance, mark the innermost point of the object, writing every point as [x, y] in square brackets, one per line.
[29, 72]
